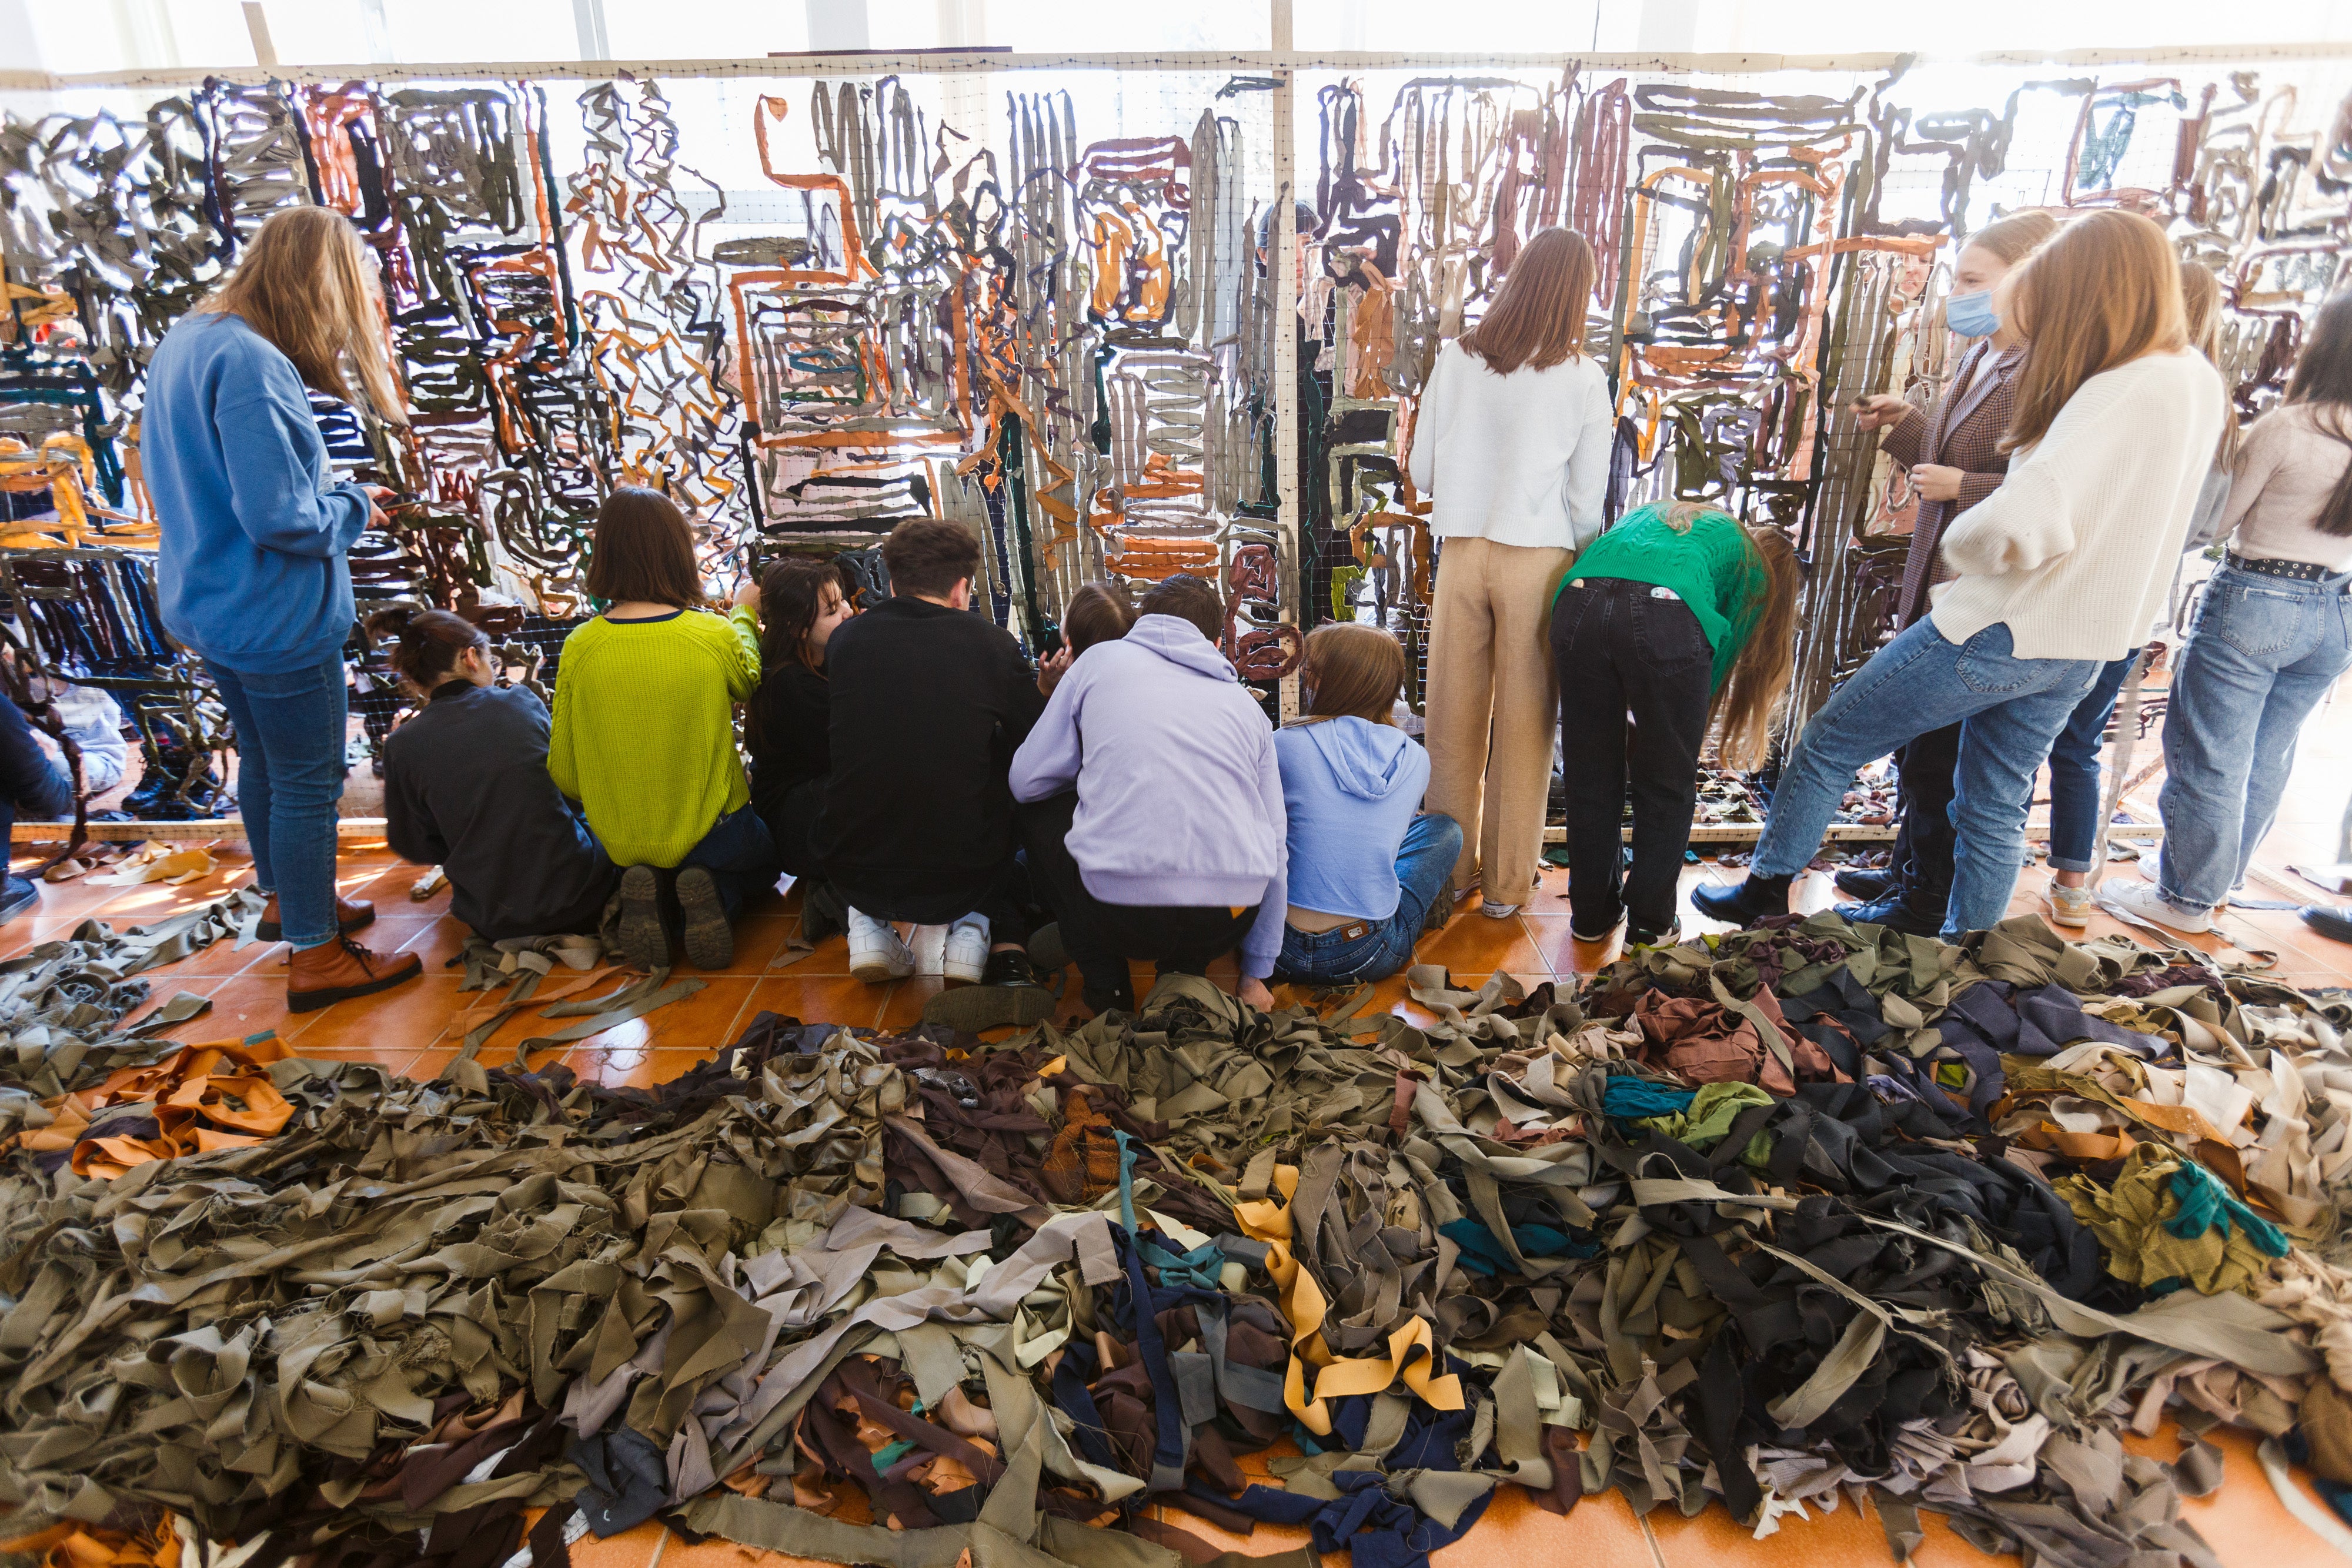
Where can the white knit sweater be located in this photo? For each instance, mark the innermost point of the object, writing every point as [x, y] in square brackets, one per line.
[1521, 459]
[2076, 551]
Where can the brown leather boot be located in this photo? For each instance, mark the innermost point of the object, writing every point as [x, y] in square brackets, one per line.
[334, 971]
[351, 914]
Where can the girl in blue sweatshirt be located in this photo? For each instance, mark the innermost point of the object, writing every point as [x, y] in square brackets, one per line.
[252, 574]
[1366, 864]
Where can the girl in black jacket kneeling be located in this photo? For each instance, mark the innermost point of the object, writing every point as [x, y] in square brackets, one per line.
[466, 788]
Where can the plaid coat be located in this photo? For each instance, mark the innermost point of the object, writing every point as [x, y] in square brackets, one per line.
[1963, 433]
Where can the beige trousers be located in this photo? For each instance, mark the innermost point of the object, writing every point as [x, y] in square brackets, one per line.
[1493, 702]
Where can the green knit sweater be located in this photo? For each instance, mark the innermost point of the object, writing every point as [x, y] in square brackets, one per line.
[1712, 566]
[644, 731]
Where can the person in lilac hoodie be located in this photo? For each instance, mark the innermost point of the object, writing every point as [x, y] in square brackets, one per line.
[1151, 805]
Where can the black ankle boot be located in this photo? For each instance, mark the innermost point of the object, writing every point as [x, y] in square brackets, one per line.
[1896, 911]
[1746, 904]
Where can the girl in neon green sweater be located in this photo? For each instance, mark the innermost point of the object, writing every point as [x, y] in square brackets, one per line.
[645, 734]
[1681, 616]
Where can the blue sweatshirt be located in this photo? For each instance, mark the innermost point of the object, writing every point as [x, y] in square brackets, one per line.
[1350, 788]
[255, 526]
[1180, 800]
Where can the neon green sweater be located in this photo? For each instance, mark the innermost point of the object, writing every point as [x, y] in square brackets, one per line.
[1712, 566]
[645, 729]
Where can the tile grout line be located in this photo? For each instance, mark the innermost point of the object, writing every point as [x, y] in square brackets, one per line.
[1657, 1553]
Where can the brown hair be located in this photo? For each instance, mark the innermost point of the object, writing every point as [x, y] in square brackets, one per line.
[2200, 306]
[1748, 700]
[2014, 237]
[928, 556]
[430, 642]
[643, 550]
[1097, 613]
[1352, 670]
[2104, 291]
[302, 285]
[1187, 597]
[1538, 319]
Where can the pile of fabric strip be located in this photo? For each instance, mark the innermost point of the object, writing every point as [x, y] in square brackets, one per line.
[1808, 1216]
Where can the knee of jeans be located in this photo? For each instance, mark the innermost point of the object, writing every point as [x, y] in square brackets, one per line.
[1445, 833]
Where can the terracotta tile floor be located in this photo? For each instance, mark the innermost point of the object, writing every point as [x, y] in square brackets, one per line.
[416, 1030]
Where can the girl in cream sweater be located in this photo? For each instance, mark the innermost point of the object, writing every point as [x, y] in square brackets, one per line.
[2061, 569]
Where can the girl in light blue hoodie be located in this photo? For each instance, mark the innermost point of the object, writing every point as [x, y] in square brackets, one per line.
[1366, 864]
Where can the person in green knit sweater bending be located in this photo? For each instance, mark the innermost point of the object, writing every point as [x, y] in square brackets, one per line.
[644, 733]
[1680, 616]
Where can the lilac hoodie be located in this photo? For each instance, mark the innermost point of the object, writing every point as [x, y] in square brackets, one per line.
[1180, 798]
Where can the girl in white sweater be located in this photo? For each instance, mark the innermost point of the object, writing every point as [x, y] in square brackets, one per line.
[1511, 439]
[2062, 568]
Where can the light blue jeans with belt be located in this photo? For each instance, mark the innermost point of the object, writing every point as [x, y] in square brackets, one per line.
[2264, 653]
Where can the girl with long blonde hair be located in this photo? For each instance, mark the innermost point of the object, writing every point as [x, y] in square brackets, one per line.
[2059, 571]
[1683, 618]
[253, 575]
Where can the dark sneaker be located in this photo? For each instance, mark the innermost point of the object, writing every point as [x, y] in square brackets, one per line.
[1008, 994]
[1867, 884]
[20, 895]
[1046, 949]
[2332, 924]
[1894, 912]
[644, 943]
[1602, 934]
[1119, 998]
[1646, 937]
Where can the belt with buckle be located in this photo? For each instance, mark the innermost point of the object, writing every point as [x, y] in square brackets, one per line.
[2264, 566]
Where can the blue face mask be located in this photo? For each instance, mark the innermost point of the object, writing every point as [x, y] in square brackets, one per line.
[1970, 315]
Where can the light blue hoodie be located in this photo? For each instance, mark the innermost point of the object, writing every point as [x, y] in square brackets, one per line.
[1349, 788]
[1180, 800]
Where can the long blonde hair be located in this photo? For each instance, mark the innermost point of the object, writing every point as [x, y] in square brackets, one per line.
[1745, 702]
[2201, 305]
[2104, 291]
[302, 284]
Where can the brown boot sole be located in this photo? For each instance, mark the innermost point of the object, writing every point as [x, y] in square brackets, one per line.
[709, 940]
[644, 943]
[272, 931]
[311, 1001]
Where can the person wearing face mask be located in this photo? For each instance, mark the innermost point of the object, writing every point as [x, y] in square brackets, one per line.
[1953, 452]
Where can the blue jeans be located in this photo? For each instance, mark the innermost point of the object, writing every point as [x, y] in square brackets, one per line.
[739, 854]
[290, 731]
[30, 781]
[2074, 771]
[2008, 709]
[1432, 845]
[2263, 652]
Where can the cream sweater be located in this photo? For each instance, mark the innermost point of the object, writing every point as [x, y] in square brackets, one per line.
[2076, 551]
[1521, 459]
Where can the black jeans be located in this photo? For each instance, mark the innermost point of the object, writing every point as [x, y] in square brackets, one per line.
[1101, 937]
[791, 815]
[1926, 769]
[30, 781]
[1623, 646]
[738, 857]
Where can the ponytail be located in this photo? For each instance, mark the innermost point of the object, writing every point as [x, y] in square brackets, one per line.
[430, 642]
[1759, 676]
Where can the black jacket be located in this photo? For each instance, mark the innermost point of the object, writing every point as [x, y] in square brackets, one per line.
[792, 714]
[929, 705]
[466, 788]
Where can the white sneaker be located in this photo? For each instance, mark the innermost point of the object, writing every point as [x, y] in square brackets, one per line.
[2072, 905]
[1496, 909]
[2142, 901]
[877, 952]
[967, 951]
